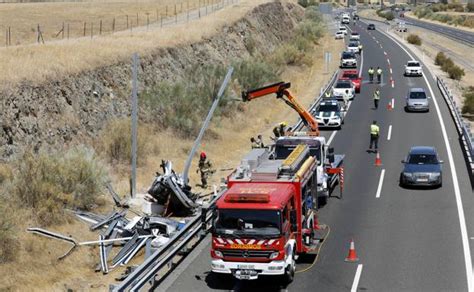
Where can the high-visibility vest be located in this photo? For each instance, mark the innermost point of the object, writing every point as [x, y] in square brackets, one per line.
[374, 130]
[379, 71]
[371, 71]
[327, 94]
[377, 94]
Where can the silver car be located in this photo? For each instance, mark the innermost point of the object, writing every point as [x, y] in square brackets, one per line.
[417, 100]
[422, 167]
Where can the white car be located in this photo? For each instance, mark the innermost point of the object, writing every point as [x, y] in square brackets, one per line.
[339, 35]
[355, 35]
[343, 29]
[413, 68]
[343, 89]
[345, 20]
[330, 114]
[353, 47]
[348, 60]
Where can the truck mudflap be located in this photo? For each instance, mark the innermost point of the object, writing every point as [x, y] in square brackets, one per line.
[335, 170]
[247, 270]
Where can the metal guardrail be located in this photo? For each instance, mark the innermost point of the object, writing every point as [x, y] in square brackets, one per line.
[146, 272]
[463, 129]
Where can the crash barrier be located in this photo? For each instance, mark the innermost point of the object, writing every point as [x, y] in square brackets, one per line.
[299, 125]
[145, 274]
[463, 128]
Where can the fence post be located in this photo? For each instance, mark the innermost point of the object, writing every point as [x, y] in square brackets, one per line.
[100, 27]
[113, 25]
[62, 32]
[134, 124]
[85, 23]
[127, 20]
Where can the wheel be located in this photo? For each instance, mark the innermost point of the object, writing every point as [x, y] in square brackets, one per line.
[289, 275]
[402, 182]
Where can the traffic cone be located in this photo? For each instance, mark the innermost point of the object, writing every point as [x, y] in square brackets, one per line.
[316, 224]
[378, 160]
[389, 106]
[352, 256]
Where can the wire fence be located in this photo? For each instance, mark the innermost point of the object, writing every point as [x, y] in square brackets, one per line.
[181, 12]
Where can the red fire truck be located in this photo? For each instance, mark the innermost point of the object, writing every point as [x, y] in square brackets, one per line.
[266, 217]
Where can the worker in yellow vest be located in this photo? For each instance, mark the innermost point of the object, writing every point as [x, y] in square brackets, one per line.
[376, 98]
[374, 136]
[371, 72]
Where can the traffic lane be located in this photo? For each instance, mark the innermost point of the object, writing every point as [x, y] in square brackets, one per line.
[412, 129]
[452, 32]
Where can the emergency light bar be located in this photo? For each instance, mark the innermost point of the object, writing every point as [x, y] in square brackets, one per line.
[247, 198]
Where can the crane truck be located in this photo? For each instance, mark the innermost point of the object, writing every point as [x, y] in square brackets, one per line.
[267, 216]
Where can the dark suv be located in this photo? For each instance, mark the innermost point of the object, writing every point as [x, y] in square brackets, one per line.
[371, 26]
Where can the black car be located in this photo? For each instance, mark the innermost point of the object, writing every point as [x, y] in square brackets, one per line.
[371, 26]
[355, 17]
[422, 167]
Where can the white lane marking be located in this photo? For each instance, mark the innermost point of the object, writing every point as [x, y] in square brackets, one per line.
[357, 278]
[388, 61]
[393, 84]
[389, 133]
[391, 72]
[457, 191]
[379, 188]
[393, 103]
[361, 63]
[385, 53]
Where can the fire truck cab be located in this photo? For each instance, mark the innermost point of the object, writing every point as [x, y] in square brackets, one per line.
[266, 217]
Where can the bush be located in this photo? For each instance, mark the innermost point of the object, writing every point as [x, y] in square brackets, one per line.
[116, 142]
[389, 16]
[310, 30]
[414, 39]
[440, 59]
[448, 63]
[455, 72]
[470, 7]
[8, 241]
[307, 3]
[49, 182]
[468, 106]
[254, 72]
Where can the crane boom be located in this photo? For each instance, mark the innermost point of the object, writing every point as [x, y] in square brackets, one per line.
[281, 91]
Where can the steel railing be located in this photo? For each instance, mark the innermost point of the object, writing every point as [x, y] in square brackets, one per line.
[463, 128]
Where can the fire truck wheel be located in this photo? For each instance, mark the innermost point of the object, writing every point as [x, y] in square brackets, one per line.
[290, 271]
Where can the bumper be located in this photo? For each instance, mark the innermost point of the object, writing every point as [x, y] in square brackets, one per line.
[413, 73]
[417, 108]
[349, 65]
[246, 270]
[422, 183]
[330, 124]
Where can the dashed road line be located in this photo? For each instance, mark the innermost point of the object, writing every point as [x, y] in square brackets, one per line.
[361, 63]
[393, 104]
[357, 278]
[385, 53]
[389, 135]
[388, 61]
[379, 188]
[391, 72]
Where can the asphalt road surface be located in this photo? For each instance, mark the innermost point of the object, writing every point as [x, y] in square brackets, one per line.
[406, 239]
[458, 34]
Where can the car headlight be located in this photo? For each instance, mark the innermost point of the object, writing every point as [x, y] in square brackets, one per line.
[408, 174]
[435, 175]
[336, 118]
[218, 254]
[274, 255]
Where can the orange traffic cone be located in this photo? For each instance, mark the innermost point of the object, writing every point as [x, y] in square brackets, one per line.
[389, 106]
[378, 160]
[352, 256]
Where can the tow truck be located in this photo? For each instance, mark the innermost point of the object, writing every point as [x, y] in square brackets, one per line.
[267, 216]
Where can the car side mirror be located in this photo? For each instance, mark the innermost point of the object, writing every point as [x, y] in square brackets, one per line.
[403, 161]
[440, 161]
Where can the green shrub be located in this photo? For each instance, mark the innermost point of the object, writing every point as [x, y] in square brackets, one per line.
[455, 72]
[310, 30]
[448, 63]
[470, 7]
[254, 72]
[307, 3]
[440, 59]
[414, 39]
[389, 16]
[116, 142]
[49, 182]
[468, 106]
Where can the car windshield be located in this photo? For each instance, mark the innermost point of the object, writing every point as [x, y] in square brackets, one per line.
[328, 108]
[355, 34]
[343, 85]
[248, 222]
[417, 95]
[422, 159]
[413, 64]
[347, 55]
[350, 75]
[352, 44]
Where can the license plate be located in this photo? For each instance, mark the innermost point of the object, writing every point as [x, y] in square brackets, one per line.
[245, 277]
[246, 246]
[245, 267]
[422, 180]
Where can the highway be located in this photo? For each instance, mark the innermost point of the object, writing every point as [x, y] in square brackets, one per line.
[454, 33]
[406, 239]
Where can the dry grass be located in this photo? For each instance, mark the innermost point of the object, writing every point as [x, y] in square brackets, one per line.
[410, 14]
[23, 18]
[36, 63]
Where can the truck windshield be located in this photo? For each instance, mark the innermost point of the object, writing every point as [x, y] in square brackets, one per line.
[243, 222]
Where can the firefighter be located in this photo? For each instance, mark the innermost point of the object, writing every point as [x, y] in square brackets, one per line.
[379, 74]
[259, 141]
[374, 136]
[327, 94]
[280, 129]
[345, 99]
[376, 98]
[254, 143]
[371, 74]
[205, 167]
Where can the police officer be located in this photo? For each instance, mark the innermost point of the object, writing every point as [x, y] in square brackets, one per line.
[379, 74]
[259, 141]
[280, 129]
[374, 136]
[360, 48]
[371, 74]
[205, 167]
[254, 143]
[376, 98]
